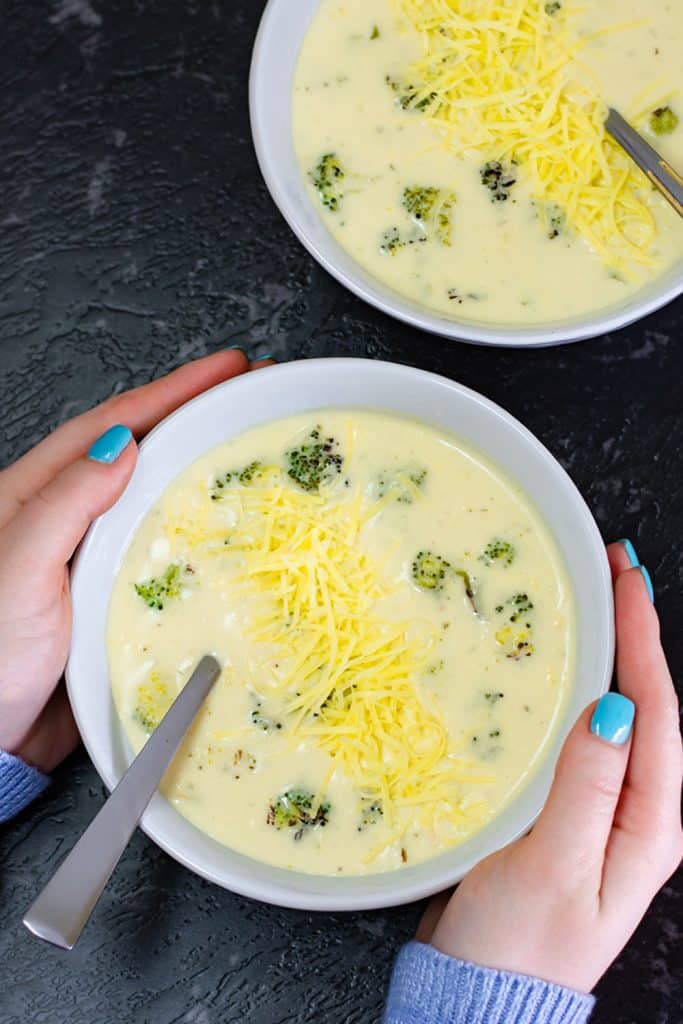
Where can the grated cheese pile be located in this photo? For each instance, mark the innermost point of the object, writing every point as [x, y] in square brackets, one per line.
[348, 674]
[501, 77]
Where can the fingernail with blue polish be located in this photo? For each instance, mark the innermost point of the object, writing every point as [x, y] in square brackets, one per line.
[631, 552]
[613, 718]
[111, 444]
[648, 583]
[235, 348]
[268, 355]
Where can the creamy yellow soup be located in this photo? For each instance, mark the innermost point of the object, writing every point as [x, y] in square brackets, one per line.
[463, 162]
[395, 628]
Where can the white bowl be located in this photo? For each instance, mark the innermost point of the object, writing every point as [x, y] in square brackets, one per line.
[281, 391]
[283, 26]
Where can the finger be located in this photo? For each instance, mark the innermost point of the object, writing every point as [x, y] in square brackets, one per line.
[643, 675]
[54, 735]
[574, 827]
[43, 536]
[646, 845]
[260, 363]
[622, 557]
[140, 409]
[432, 916]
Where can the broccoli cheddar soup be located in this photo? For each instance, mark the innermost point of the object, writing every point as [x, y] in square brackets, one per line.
[457, 149]
[395, 629]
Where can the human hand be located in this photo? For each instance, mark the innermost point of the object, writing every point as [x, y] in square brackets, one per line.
[561, 903]
[48, 498]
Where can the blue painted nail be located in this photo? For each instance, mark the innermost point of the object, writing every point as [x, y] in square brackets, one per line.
[631, 552]
[108, 447]
[648, 583]
[268, 355]
[232, 348]
[613, 718]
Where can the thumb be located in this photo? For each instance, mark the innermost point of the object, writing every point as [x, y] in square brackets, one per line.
[574, 826]
[49, 527]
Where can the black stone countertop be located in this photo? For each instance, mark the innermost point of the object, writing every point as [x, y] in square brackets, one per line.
[135, 233]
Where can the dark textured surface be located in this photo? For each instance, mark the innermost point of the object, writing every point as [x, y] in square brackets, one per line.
[135, 232]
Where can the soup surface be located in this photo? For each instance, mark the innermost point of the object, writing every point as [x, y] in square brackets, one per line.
[457, 151]
[395, 629]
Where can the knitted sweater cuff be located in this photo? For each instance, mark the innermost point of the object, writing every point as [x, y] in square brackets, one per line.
[19, 785]
[428, 987]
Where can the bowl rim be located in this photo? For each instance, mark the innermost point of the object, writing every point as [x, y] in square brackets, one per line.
[283, 891]
[384, 298]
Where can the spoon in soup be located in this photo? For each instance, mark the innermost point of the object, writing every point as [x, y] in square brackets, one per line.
[661, 174]
[61, 911]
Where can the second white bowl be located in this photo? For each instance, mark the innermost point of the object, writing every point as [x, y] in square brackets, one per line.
[282, 29]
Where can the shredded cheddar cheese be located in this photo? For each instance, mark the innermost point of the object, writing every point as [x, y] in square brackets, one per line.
[502, 78]
[349, 676]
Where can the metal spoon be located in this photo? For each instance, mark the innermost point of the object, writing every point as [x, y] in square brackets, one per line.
[660, 173]
[61, 911]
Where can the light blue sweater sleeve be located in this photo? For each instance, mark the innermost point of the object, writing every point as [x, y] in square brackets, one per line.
[19, 784]
[428, 987]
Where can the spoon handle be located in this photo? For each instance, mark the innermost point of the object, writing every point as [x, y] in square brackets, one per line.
[660, 173]
[61, 910]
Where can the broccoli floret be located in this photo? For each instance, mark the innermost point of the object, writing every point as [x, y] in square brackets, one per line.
[159, 589]
[663, 120]
[251, 472]
[244, 476]
[516, 639]
[442, 227]
[429, 570]
[315, 462]
[406, 95]
[498, 550]
[515, 643]
[498, 178]
[554, 220]
[152, 703]
[371, 812]
[419, 201]
[292, 809]
[430, 208]
[147, 719]
[553, 7]
[402, 482]
[263, 721]
[391, 242]
[327, 181]
[520, 603]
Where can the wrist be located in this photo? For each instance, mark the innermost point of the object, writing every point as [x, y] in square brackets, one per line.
[553, 960]
[33, 748]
